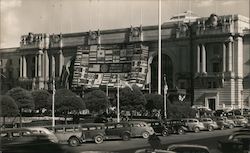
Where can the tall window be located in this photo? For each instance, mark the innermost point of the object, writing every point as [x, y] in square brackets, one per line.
[216, 67]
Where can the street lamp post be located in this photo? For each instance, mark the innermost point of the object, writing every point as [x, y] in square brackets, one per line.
[118, 98]
[165, 96]
[53, 101]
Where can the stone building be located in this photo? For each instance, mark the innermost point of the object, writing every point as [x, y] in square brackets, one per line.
[206, 57]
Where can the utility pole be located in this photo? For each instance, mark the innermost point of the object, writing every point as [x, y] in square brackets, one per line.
[118, 98]
[53, 100]
[165, 96]
[159, 47]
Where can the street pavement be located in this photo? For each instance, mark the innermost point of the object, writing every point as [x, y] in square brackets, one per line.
[206, 138]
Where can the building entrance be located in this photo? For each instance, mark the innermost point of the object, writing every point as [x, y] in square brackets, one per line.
[211, 103]
[167, 68]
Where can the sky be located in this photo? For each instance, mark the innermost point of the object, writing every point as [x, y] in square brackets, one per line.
[19, 17]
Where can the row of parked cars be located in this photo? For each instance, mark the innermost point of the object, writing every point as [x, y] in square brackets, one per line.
[75, 134]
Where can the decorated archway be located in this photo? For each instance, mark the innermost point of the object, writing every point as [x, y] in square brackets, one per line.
[167, 69]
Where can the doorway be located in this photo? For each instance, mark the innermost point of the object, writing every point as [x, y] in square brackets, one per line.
[211, 103]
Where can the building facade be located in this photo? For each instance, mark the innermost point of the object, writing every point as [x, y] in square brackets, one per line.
[208, 58]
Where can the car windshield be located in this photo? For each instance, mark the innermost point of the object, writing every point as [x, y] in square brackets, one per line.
[189, 150]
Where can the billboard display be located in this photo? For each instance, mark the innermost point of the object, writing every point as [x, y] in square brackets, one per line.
[97, 65]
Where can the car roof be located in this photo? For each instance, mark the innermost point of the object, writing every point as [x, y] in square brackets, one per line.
[14, 129]
[92, 124]
[187, 146]
[151, 151]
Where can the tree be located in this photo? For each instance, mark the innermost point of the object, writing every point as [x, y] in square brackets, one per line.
[42, 99]
[154, 101]
[23, 99]
[8, 107]
[180, 110]
[68, 102]
[132, 99]
[96, 101]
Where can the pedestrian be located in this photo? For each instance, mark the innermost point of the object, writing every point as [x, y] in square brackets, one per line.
[154, 141]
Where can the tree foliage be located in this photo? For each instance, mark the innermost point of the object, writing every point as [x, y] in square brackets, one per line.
[22, 97]
[42, 99]
[154, 101]
[66, 101]
[180, 110]
[132, 99]
[8, 106]
[96, 100]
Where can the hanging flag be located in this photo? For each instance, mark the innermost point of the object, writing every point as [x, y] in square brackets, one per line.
[126, 84]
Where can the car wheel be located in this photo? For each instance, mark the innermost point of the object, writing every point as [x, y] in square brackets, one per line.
[73, 142]
[125, 137]
[231, 126]
[210, 128]
[180, 131]
[164, 133]
[196, 129]
[222, 127]
[145, 135]
[98, 139]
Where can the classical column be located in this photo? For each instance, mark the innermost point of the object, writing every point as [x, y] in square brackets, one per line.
[21, 67]
[203, 53]
[46, 65]
[52, 66]
[40, 63]
[229, 56]
[24, 67]
[224, 57]
[61, 61]
[36, 65]
[198, 58]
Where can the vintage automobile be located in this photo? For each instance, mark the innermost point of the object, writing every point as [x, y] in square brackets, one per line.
[188, 148]
[159, 127]
[224, 122]
[45, 131]
[175, 126]
[153, 151]
[193, 124]
[239, 120]
[71, 134]
[140, 128]
[237, 142]
[118, 130]
[94, 132]
[209, 124]
[23, 140]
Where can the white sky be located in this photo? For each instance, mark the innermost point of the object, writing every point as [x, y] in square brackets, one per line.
[18, 17]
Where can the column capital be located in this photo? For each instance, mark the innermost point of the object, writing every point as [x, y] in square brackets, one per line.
[230, 39]
[40, 52]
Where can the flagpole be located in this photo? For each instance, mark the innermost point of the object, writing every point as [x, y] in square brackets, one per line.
[107, 94]
[118, 99]
[159, 47]
[165, 96]
[53, 101]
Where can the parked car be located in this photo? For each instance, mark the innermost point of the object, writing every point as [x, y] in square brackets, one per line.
[224, 122]
[237, 142]
[45, 131]
[23, 140]
[153, 151]
[188, 148]
[118, 130]
[71, 134]
[140, 128]
[194, 125]
[175, 126]
[94, 132]
[239, 120]
[209, 124]
[159, 127]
